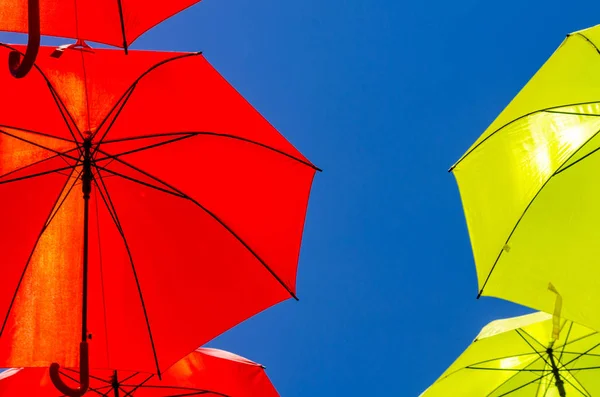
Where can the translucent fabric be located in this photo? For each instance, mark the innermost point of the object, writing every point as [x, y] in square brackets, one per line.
[196, 212]
[518, 357]
[205, 372]
[530, 190]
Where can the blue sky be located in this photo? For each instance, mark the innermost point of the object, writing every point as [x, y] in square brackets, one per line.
[384, 96]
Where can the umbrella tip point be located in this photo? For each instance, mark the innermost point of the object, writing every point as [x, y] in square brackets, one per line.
[479, 294]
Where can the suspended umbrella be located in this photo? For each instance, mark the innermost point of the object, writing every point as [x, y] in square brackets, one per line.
[204, 372]
[530, 190]
[138, 190]
[528, 356]
[115, 22]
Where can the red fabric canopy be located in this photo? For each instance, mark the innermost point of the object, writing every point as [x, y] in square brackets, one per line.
[196, 212]
[98, 20]
[205, 372]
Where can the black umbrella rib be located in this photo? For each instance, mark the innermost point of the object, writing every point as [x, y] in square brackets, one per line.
[503, 357]
[531, 346]
[125, 45]
[44, 134]
[588, 40]
[562, 351]
[50, 86]
[160, 189]
[584, 393]
[520, 387]
[214, 134]
[77, 380]
[135, 275]
[154, 145]
[134, 84]
[36, 163]
[529, 206]
[60, 105]
[38, 145]
[547, 110]
[122, 101]
[212, 215]
[195, 391]
[581, 354]
[21, 178]
[91, 376]
[44, 227]
[135, 387]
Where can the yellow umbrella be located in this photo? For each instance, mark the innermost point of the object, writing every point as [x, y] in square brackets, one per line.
[527, 356]
[530, 187]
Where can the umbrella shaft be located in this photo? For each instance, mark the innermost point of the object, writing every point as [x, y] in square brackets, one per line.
[560, 384]
[86, 188]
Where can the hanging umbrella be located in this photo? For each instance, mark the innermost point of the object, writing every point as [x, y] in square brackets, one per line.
[116, 22]
[529, 356]
[530, 190]
[206, 372]
[138, 190]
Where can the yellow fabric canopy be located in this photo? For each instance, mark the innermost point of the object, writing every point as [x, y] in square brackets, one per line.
[530, 187]
[518, 357]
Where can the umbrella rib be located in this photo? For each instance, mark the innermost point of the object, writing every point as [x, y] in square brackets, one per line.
[21, 178]
[566, 341]
[520, 387]
[77, 380]
[529, 206]
[514, 121]
[46, 79]
[503, 357]
[584, 393]
[132, 86]
[35, 163]
[215, 217]
[62, 113]
[581, 354]
[37, 144]
[44, 134]
[135, 387]
[214, 134]
[121, 105]
[46, 224]
[179, 138]
[506, 381]
[531, 346]
[137, 281]
[176, 194]
[580, 338]
[588, 40]
[122, 25]
[91, 376]
[182, 388]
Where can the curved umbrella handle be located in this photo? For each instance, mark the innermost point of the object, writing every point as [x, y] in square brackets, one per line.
[19, 68]
[84, 374]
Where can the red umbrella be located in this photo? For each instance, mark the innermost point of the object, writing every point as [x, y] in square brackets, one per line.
[206, 372]
[114, 22]
[191, 219]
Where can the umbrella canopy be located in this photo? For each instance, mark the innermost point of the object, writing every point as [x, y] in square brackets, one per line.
[530, 191]
[528, 356]
[205, 372]
[191, 218]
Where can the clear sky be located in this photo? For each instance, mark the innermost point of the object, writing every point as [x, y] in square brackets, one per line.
[384, 96]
